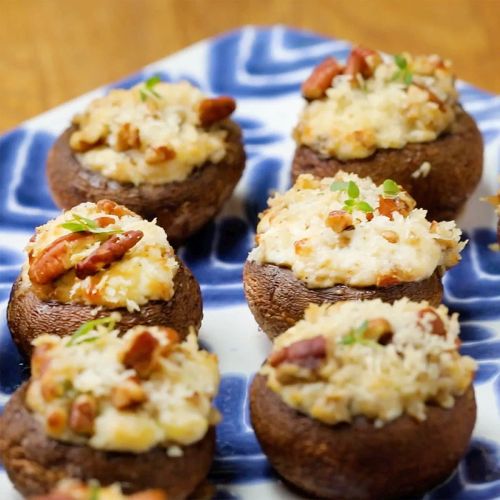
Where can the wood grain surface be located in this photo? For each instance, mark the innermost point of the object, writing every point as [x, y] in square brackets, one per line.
[53, 50]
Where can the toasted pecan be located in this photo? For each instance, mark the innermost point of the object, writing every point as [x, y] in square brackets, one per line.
[112, 208]
[142, 353]
[307, 353]
[435, 321]
[82, 414]
[321, 78]
[55, 259]
[215, 109]
[110, 251]
[159, 154]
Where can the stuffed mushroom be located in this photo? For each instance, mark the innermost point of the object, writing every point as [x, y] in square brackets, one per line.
[366, 399]
[72, 489]
[96, 258]
[391, 117]
[133, 409]
[162, 149]
[344, 238]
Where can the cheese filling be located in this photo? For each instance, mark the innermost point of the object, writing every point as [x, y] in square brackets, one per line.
[127, 393]
[147, 134]
[145, 272]
[371, 359]
[372, 249]
[390, 109]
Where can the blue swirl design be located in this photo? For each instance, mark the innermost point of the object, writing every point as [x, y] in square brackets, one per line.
[260, 65]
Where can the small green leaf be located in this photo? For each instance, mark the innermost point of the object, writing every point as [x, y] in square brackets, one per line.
[350, 202]
[355, 335]
[408, 78]
[390, 187]
[353, 190]
[364, 206]
[339, 186]
[400, 61]
[148, 88]
[81, 224]
[78, 336]
[94, 493]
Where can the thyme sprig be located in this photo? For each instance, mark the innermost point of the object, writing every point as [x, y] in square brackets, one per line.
[82, 224]
[352, 202]
[403, 73]
[80, 336]
[148, 89]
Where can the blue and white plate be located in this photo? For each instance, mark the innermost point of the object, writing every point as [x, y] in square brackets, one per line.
[263, 68]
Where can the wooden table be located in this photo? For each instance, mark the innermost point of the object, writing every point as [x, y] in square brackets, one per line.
[53, 50]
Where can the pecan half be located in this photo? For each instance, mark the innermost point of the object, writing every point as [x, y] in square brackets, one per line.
[127, 137]
[321, 78]
[215, 109]
[307, 353]
[82, 414]
[128, 394]
[55, 259]
[357, 62]
[142, 353]
[432, 319]
[159, 154]
[112, 208]
[339, 220]
[110, 251]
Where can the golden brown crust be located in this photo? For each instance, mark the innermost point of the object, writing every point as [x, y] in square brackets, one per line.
[28, 316]
[35, 462]
[456, 160]
[359, 461]
[180, 207]
[278, 299]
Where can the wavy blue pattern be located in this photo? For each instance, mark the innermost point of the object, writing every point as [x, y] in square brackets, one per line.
[259, 65]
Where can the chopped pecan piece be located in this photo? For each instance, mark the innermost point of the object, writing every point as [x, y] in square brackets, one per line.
[380, 330]
[112, 208]
[307, 353]
[357, 62]
[104, 221]
[50, 387]
[40, 360]
[390, 236]
[302, 247]
[159, 154]
[127, 137]
[428, 316]
[321, 78]
[173, 338]
[432, 96]
[110, 251]
[339, 220]
[56, 421]
[128, 394]
[55, 259]
[387, 280]
[215, 109]
[82, 414]
[387, 206]
[142, 353]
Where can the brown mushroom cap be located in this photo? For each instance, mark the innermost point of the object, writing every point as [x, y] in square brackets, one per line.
[181, 207]
[359, 461]
[29, 317]
[278, 299]
[35, 462]
[456, 160]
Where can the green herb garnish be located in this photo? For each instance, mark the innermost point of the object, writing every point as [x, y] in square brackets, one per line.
[403, 72]
[148, 89]
[356, 335]
[82, 224]
[79, 335]
[353, 201]
[390, 188]
[95, 490]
